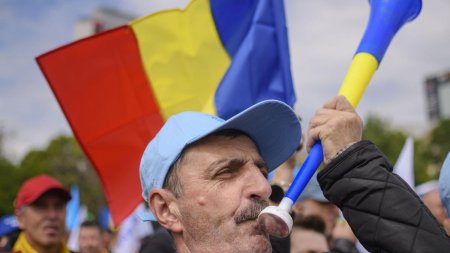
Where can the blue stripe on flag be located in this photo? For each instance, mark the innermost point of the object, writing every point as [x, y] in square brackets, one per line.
[260, 68]
[233, 19]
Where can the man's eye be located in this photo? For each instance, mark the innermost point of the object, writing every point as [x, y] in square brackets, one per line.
[224, 171]
[263, 170]
[39, 206]
[265, 173]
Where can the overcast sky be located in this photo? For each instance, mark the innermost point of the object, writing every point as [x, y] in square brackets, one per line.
[323, 35]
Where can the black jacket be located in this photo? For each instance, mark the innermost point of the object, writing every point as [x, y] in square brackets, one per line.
[383, 211]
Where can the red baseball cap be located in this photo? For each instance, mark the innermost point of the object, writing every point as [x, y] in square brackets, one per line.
[35, 187]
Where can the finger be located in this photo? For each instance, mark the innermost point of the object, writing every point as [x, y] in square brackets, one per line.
[342, 104]
[313, 137]
[330, 104]
[339, 103]
[325, 112]
[318, 120]
[329, 117]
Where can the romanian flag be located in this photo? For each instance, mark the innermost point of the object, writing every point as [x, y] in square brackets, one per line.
[118, 87]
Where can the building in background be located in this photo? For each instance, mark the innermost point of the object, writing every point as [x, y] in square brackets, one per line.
[100, 20]
[437, 88]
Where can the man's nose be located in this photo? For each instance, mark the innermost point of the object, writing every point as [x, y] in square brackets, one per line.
[53, 211]
[257, 184]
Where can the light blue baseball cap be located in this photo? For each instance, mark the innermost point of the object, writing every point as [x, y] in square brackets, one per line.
[444, 185]
[271, 124]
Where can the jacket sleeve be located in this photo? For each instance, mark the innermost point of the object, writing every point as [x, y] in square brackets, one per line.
[385, 214]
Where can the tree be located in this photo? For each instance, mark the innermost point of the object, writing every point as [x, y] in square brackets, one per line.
[2, 139]
[440, 141]
[388, 140]
[429, 151]
[8, 179]
[8, 186]
[432, 151]
[64, 160]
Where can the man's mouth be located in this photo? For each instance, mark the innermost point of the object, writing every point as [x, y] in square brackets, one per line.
[251, 212]
[51, 229]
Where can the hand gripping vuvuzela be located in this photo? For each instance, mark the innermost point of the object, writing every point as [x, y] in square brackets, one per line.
[386, 18]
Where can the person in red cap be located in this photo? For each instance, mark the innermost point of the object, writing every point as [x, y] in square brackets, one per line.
[40, 208]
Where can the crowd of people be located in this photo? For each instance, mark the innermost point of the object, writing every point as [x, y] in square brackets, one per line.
[206, 180]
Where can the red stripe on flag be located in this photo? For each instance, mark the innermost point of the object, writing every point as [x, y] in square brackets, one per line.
[105, 95]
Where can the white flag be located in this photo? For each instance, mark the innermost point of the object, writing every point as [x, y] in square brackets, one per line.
[405, 163]
[132, 231]
[72, 242]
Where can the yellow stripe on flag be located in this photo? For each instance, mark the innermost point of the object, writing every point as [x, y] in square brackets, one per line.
[183, 57]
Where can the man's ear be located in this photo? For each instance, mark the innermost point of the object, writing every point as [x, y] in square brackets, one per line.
[164, 207]
[20, 217]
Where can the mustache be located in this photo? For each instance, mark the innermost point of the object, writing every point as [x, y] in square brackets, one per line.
[250, 212]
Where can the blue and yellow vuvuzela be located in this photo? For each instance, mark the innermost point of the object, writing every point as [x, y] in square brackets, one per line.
[386, 18]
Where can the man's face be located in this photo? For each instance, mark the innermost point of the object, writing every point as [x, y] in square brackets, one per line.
[434, 203]
[90, 240]
[327, 211]
[308, 241]
[43, 221]
[224, 189]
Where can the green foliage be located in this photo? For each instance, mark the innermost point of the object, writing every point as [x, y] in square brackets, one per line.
[429, 151]
[64, 160]
[388, 140]
[432, 151]
[440, 141]
[423, 171]
[34, 163]
[8, 186]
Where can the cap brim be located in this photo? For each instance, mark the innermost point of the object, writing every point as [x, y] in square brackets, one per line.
[146, 216]
[59, 190]
[444, 187]
[272, 125]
